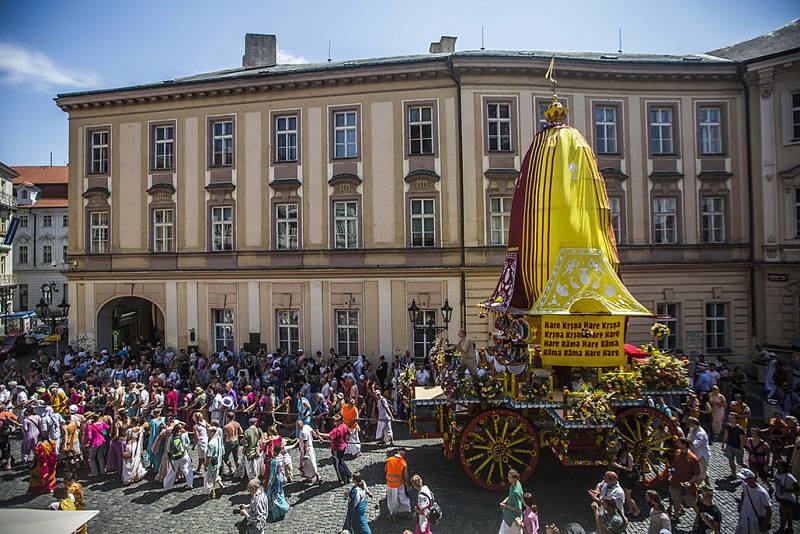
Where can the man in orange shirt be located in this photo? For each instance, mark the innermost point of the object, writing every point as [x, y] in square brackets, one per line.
[683, 478]
[396, 479]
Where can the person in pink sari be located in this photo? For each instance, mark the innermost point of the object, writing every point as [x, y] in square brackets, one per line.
[43, 474]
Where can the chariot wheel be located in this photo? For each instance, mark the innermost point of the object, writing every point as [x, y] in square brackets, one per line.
[495, 441]
[650, 436]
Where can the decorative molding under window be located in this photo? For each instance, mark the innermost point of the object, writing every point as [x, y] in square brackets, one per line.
[418, 175]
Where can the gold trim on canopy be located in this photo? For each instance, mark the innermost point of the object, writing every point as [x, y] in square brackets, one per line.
[584, 281]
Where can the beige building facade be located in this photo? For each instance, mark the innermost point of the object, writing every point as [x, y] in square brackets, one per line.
[307, 206]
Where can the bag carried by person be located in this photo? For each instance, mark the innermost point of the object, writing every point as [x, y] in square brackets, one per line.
[435, 511]
[764, 521]
[177, 449]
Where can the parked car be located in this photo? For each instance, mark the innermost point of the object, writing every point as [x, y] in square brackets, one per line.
[13, 346]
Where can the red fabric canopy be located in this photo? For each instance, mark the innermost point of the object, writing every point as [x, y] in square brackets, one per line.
[635, 352]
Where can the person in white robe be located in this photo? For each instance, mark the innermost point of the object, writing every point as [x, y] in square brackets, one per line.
[212, 479]
[308, 456]
[132, 468]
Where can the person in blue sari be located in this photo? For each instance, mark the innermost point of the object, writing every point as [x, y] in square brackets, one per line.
[356, 521]
[276, 478]
[154, 452]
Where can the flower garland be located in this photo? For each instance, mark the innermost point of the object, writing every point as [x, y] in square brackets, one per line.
[535, 387]
[659, 331]
[407, 383]
[486, 386]
[624, 384]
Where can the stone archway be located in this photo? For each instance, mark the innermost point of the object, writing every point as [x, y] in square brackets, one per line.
[125, 320]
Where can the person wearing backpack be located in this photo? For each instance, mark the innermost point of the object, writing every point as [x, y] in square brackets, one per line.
[178, 456]
[428, 511]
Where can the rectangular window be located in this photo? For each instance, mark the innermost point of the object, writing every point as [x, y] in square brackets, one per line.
[163, 147]
[344, 134]
[222, 143]
[289, 330]
[162, 230]
[665, 218]
[716, 325]
[345, 223]
[499, 216]
[668, 315]
[605, 127]
[98, 152]
[795, 116]
[47, 254]
[286, 138]
[22, 254]
[661, 130]
[424, 338]
[615, 205]
[420, 130]
[24, 194]
[423, 223]
[98, 230]
[347, 332]
[47, 221]
[64, 254]
[713, 217]
[65, 221]
[796, 213]
[287, 226]
[498, 121]
[710, 130]
[23, 297]
[223, 330]
[221, 228]
[23, 221]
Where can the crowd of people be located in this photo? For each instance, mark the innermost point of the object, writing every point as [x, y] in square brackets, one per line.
[137, 413]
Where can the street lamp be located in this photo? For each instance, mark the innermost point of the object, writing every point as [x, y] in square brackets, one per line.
[415, 317]
[43, 308]
[413, 313]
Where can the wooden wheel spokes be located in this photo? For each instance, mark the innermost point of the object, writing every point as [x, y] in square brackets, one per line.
[650, 437]
[494, 442]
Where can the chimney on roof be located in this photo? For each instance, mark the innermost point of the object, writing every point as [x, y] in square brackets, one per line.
[260, 50]
[445, 45]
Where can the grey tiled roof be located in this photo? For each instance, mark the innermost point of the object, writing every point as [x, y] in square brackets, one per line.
[784, 39]
[304, 68]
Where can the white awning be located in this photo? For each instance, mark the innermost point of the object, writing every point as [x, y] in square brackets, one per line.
[26, 521]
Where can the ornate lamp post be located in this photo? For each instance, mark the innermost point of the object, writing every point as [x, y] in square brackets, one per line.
[415, 316]
[59, 313]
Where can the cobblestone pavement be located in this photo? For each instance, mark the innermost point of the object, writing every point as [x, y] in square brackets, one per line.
[560, 492]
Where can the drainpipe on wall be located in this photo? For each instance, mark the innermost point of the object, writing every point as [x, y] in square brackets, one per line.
[33, 215]
[751, 218]
[463, 253]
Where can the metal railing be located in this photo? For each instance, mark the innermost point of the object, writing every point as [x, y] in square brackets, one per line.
[8, 280]
[8, 200]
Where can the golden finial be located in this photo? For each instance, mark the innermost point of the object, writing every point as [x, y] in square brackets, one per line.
[556, 113]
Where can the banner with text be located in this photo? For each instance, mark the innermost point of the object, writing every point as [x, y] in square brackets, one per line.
[583, 340]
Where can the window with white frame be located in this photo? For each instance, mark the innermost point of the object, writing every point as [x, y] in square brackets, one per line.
[47, 254]
[661, 130]
[286, 138]
[796, 116]
[605, 127]
[498, 122]
[710, 130]
[64, 254]
[347, 332]
[345, 224]
[65, 221]
[716, 325]
[423, 222]
[163, 147]
[22, 254]
[667, 313]
[223, 330]
[615, 206]
[287, 226]
[540, 109]
[162, 230]
[47, 221]
[344, 134]
[420, 130]
[713, 219]
[98, 152]
[665, 220]
[424, 337]
[499, 217]
[98, 232]
[288, 330]
[222, 143]
[221, 228]
[23, 221]
[23, 194]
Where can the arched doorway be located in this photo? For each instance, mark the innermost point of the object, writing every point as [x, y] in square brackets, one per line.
[126, 320]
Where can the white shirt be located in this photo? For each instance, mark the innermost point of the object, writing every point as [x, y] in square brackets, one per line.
[422, 377]
[699, 440]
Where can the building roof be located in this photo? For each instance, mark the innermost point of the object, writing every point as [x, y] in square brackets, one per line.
[333, 66]
[781, 41]
[47, 203]
[41, 174]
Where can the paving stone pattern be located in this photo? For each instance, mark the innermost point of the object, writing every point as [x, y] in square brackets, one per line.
[146, 508]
